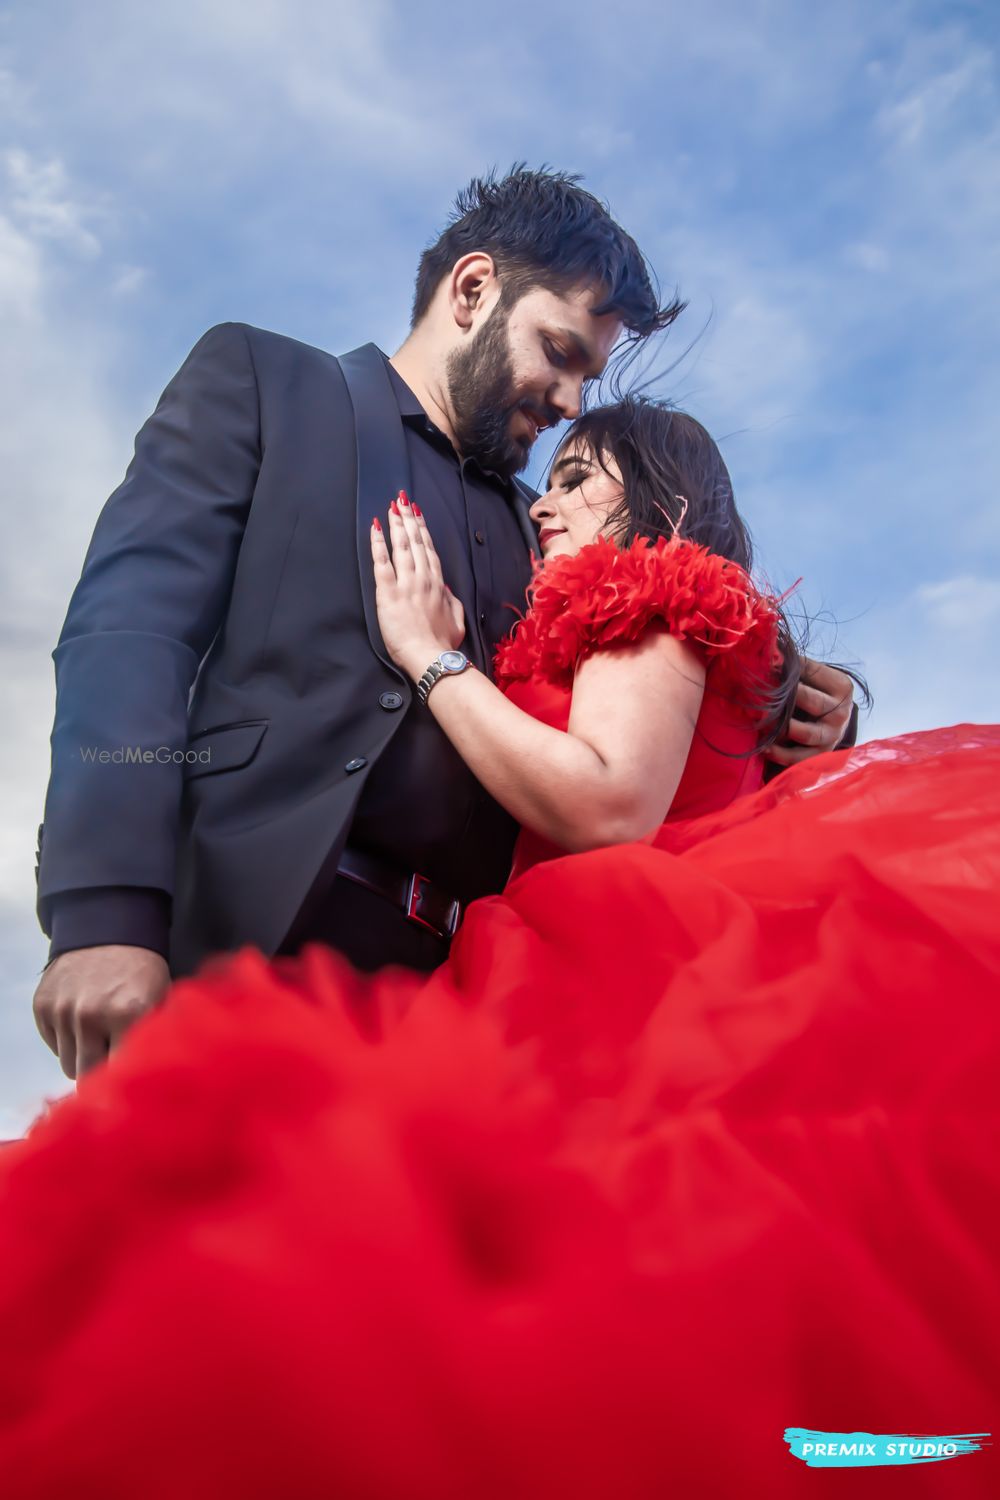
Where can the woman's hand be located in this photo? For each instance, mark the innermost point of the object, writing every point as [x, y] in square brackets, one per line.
[418, 614]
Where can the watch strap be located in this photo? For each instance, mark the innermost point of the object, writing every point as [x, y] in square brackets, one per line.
[427, 681]
[435, 672]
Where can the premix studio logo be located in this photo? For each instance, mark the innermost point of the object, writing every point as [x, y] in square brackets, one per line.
[859, 1450]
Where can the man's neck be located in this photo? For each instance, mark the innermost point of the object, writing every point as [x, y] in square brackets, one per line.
[411, 364]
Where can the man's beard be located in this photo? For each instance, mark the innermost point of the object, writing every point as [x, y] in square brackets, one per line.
[481, 392]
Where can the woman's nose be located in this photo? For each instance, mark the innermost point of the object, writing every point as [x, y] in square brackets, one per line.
[541, 508]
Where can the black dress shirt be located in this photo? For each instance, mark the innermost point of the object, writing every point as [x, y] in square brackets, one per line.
[421, 808]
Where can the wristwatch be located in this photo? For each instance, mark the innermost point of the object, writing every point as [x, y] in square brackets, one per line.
[447, 664]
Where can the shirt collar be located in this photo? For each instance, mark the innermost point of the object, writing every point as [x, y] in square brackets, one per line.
[407, 402]
[414, 415]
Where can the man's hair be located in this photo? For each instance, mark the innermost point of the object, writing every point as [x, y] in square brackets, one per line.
[543, 230]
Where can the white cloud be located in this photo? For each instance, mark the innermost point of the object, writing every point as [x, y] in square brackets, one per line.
[603, 140]
[869, 257]
[128, 280]
[39, 200]
[961, 604]
[20, 275]
[938, 132]
[931, 657]
[940, 90]
[63, 445]
[760, 359]
[29, 1072]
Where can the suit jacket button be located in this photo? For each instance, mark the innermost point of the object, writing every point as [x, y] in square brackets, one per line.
[480, 538]
[391, 700]
[357, 764]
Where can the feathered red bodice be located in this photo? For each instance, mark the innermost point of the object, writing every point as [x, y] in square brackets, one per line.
[608, 596]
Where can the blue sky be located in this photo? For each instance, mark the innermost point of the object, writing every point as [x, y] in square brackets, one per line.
[822, 183]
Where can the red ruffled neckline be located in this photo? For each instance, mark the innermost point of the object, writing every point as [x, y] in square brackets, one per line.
[606, 595]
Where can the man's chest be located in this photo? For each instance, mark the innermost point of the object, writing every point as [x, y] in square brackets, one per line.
[478, 538]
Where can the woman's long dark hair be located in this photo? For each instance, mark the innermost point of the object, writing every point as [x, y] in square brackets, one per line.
[676, 484]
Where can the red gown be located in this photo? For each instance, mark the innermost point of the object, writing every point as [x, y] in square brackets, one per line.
[689, 1142]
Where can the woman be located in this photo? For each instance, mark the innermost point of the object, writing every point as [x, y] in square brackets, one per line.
[608, 761]
[679, 1149]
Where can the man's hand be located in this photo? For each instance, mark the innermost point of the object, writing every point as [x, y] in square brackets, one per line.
[827, 696]
[88, 998]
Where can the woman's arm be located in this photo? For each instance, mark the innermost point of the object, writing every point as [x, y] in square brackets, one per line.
[611, 776]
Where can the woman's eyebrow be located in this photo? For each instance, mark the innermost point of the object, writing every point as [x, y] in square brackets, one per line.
[572, 462]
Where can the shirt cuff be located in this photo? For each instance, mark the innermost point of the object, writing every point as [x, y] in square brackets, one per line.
[132, 914]
[850, 738]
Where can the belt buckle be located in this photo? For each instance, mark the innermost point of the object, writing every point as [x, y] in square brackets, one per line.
[413, 895]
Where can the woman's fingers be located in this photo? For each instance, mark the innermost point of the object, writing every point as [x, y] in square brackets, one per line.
[406, 534]
[415, 534]
[407, 562]
[430, 551]
[413, 601]
[384, 570]
[402, 551]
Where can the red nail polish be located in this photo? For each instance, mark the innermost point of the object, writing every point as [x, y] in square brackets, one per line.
[417, 512]
[377, 524]
[393, 511]
[403, 500]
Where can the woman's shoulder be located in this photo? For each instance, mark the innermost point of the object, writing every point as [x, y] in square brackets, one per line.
[606, 595]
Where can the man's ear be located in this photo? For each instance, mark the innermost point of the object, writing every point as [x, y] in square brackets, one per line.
[473, 287]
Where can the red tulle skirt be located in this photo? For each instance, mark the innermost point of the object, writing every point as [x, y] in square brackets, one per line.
[685, 1145]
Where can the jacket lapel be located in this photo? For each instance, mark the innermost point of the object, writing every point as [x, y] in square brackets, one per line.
[384, 470]
[383, 465]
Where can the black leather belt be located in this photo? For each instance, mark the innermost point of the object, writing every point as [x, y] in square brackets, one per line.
[413, 894]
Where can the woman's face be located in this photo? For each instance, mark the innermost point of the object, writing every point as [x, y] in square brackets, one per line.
[581, 496]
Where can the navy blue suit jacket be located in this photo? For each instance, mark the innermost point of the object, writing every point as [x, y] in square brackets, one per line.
[222, 646]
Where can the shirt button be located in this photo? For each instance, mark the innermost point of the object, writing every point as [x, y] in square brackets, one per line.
[480, 538]
[391, 700]
[482, 617]
[358, 764]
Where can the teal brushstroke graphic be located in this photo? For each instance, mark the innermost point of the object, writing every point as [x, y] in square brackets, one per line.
[860, 1450]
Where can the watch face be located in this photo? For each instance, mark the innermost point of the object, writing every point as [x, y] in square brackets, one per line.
[452, 661]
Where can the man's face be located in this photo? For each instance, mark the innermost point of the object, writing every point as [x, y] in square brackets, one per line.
[524, 370]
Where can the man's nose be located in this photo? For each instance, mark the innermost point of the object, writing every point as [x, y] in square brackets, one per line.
[567, 398]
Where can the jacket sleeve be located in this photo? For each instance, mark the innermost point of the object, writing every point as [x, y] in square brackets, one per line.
[850, 736]
[133, 914]
[152, 594]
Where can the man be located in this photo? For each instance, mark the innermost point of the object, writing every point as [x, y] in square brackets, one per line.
[235, 758]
